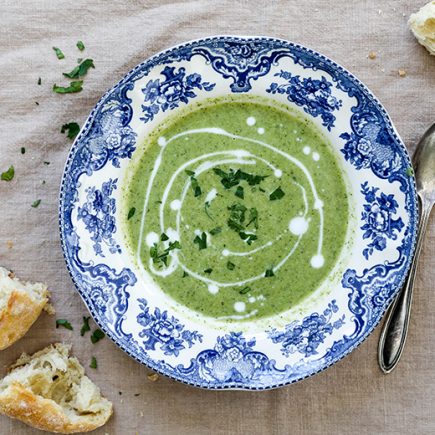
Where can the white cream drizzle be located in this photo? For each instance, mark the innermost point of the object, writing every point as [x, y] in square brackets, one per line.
[298, 225]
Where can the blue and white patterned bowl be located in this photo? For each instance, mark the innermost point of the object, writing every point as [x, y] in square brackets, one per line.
[250, 355]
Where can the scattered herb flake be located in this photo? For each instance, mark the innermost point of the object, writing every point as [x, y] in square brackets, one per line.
[80, 70]
[36, 203]
[233, 178]
[216, 231]
[75, 86]
[185, 274]
[276, 194]
[93, 364]
[9, 174]
[23, 150]
[245, 290]
[73, 129]
[39, 81]
[85, 327]
[59, 53]
[64, 323]
[240, 192]
[269, 273]
[131, 213]
[36, 103]
[80, 45]
[230, 266]
[253, 217]
[208, 271]
[247, 237]
[201, 241]
[164, 237]
[197, 191]
[162, 257]
[97, 335]
[46, 163]
[409, 171]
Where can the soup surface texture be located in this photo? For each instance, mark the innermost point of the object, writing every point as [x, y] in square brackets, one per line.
[237, 208]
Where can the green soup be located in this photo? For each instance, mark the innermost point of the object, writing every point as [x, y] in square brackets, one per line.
[240, 208]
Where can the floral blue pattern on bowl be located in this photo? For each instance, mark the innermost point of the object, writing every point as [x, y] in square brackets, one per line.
[270, 352]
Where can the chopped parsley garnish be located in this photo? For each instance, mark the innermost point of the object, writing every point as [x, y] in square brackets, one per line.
[73, 129]
[75, 86]
[64, 323]
[240, 193]
[276, 194]
[253, 217]
[93, 364]
[131, 213]
[230, 266]
[194, 183]
[163, 256]
[59, 53]
[216, 231]
[269, 273]
[233, 178]
[80, 45]
[206, 207]
[245, 290]
[185, 274]
[8, 175]
[97, 335]
[237, 217]
[247, 237]
[36, 203]
[80, 70]
[164, 237]
[39, 81]
[208, 271]
[23, 150]
[85, 327]
[201, 241]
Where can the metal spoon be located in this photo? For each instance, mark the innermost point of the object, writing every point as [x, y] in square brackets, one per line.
[395, 329]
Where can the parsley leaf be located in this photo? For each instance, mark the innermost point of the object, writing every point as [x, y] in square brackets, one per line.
[230, 266]
[201, 241]
[232, 178]
[80, 70]
[194, 183]
[253, 217]
[185, 274]
[85, 327]
[36, 203]
[164, 237]
[206, 207]
[39, 81]
[59, 53]
[131, 213]
[276, 194]
[269, 273]
[93, 364]
[208, 271]
[245, 290]
[73, 129]
[64, 323]
[240, 192]
[247, 237]
[23, 150]
[216, 231]
[72, 88]
[8, 175]
[80, 45]
[97, 335]
[163, 256]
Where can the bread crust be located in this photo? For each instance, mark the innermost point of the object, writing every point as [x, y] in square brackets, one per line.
[45, 414]
[19, 314]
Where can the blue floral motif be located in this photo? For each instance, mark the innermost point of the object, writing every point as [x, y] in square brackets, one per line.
[306, 336]
[167, 94]
[98, 215]
[377, 215]
[315, 96]
[164, 331]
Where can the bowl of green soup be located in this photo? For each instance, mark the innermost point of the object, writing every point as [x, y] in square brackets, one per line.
[238, 212]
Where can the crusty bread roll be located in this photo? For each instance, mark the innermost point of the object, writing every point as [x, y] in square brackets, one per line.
[49, 391]
[21, 304]
[422, 24]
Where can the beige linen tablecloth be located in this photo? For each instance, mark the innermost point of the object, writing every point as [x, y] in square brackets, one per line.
[351, 397]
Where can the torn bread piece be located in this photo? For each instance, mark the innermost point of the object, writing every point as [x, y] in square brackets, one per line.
[422, 24]
[49, 391]
[21, 304]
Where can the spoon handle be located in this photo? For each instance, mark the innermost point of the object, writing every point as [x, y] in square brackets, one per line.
[395, 329]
